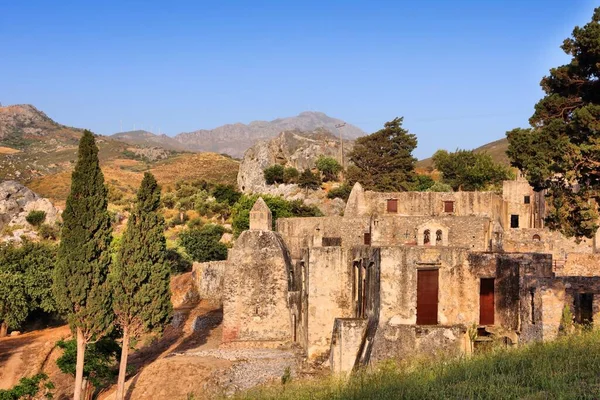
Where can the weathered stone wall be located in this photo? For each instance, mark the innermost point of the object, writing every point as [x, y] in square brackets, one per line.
[469, 232]
[298, 232]
[346, 342]
[255, 295]
[329, 295]
[513, 193]
[544, 241]
[481, 204]
[403, 341]
[208, 277]
[578, 264]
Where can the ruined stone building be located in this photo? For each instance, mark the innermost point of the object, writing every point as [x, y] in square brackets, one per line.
[403, 273]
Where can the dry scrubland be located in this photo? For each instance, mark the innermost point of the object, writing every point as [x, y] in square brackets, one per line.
[568, 368]
[125, 175]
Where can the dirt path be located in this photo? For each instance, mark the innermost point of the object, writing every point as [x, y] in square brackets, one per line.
[25, 355]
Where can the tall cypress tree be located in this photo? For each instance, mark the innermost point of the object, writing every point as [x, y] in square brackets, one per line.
[140, 277]
[80, 279]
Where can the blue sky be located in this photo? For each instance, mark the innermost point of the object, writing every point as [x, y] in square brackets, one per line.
[461, 72]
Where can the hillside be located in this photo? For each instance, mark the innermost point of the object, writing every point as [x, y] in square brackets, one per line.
[145, 138]
[39, 152]
[235, 139]
[497, 149]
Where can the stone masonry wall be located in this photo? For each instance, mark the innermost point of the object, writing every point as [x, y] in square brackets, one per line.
[208, 277]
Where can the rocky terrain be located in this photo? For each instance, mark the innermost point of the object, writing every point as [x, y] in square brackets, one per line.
[235, 139]
[16, 202]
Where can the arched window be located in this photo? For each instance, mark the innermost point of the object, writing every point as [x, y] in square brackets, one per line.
[438, 236]
[536, 238]
[426, 237]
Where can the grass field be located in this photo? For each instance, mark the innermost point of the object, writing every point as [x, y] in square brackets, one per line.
[568, 368]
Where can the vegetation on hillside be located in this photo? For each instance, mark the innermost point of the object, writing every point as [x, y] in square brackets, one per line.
[568, 368]
[560, 153]
[202, 244]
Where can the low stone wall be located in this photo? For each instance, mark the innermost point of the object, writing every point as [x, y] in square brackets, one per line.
[403, 341]
[208, 278]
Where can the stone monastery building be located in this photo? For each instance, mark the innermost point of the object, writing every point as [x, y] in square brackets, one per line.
[404, 273]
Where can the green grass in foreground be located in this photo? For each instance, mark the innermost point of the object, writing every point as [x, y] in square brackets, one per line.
[568, 368]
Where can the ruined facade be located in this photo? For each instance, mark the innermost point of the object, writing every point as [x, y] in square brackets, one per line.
[406, 273]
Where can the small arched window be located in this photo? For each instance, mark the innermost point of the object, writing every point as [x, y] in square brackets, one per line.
[438, 236]
[426, 237]
[536, 238]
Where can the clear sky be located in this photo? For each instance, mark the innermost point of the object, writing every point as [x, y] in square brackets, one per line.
[461, 72]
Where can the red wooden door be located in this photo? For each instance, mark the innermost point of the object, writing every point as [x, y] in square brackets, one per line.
[427, 297]
[486, 301]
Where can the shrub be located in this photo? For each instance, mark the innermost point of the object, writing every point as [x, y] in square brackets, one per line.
[309, 180]
[179, 219]
[203, 244]
[195, 223]
[341, 192]
[28, 388]
[48, 232]
[422, 183]
[440, 187]
[290, 175]
[273, 174]
[329, 167]
[36, 217]
[169, 200]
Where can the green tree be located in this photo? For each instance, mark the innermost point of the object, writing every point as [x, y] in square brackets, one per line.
[274, 174]
[560, 153]
[470, 171]
[290, 175]
[439, 187]
[25, 282]
[80, 280]
[329, 167]
[341, 192]
[140, 277]
[309, 180]
[280, 208]
[383, 161]
[422, 183]
[203, 244]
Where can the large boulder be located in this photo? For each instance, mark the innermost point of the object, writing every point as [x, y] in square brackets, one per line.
[17, 201]
[291, 149]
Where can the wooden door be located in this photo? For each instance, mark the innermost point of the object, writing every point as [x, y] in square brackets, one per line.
[486, 301]
[427, 297]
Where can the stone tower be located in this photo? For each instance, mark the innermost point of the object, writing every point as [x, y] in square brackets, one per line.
[260, 216]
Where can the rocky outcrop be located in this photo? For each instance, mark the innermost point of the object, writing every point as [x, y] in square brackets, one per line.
[16, 202]
[291, 149]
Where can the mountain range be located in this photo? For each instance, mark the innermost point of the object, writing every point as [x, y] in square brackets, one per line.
[235, 139]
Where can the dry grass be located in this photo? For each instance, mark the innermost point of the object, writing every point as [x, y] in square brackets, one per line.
[126, 174]
[8, 150]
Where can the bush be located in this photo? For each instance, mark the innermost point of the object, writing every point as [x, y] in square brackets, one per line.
[195, 223]
[178, 220]
[36, 217]
[273, 174]
[329, 167]
[226, 194]
[178, 262]
[27, 388]
[308, 180]
[422, 183]
[203, 244]
[290, 175]
[341, 192]
[440, 187]
[48, 232]
[280, 208]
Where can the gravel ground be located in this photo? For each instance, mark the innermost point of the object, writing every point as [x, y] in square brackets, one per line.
[251, 367]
